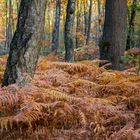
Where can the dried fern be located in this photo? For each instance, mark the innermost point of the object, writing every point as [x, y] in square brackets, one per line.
[72, 101]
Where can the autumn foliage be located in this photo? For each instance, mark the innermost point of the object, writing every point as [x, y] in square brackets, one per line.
[72, 101]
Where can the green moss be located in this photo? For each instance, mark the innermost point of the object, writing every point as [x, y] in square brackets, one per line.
[104, 44]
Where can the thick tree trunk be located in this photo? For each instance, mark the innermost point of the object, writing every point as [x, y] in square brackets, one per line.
[113, 42]
[55, 35]
[69, 36]
[25, 45]
[130, 40]
[89, 24]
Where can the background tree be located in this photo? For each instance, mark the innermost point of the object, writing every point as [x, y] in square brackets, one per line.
[56, 30]
[89, 23]
[69, 35]
[113, 42]
[25, 45]
[79, 27]
[86, 16]
[130, 39]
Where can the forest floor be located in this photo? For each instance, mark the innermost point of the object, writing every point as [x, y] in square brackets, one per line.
[72, 101]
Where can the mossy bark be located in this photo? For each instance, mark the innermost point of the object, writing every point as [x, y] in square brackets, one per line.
[26, 43]
[69, 34]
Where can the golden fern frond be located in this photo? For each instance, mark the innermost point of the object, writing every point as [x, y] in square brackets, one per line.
[11, 135]
[6, 123]
[95, 62]
[83, 120]
[60, 96]
[40, 133]
[28, 117]
[71, 68]
[7, 100]
[80, 88]
[82, 82]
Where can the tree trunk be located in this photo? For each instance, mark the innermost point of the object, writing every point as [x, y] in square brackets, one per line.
[55, 35]
[86, 17]
[10, 32]
[89, 24]
[130, 40]
[78, 24]
[69, 36]
[6, 24]
[25, 45]
[99, 27]
[79, 42]
[17, 5]
[138, 43]
[113, 42]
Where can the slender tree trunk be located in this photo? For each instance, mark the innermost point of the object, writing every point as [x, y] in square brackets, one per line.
[55, 35]
[17, 5]
[86, 17]
[69, 35]
[79, 25]
[130, 40]
[25, 45]
[89, 24]
[6, 24]
[10, 32]
[99, 28]
[138, 42]
[113, 42]
[49, 22]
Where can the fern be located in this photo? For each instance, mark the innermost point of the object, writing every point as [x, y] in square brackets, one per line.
[61, 96]
[8, 100]
[72, 101]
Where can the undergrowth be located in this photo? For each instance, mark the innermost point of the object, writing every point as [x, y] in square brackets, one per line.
[72, 101]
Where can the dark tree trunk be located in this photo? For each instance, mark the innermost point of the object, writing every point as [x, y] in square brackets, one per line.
[89, 24]
[79, 29]
[69, 36]
[55, 35]
[25, 45]
[113, 42]
[130, 40]
[138, 43]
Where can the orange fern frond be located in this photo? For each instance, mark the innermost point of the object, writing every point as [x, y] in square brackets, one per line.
[8, 100]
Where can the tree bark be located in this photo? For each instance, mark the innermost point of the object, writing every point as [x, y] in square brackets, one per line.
[99, 27]
[25, 45]
[86, 17]
[130, 40]
[55, 35]
[89, 24]
[9, 23]
[69, 35]
[79, 25]
[113, 42]
[6, 24]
